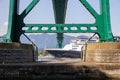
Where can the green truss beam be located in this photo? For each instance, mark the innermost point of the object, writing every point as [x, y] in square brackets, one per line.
[59, 28]
[89, 8]
[102, 25]
[15, 22]
[29, 8]
[102, 19]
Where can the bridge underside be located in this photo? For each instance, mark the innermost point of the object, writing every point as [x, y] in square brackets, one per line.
[16, 25]
[100, 61]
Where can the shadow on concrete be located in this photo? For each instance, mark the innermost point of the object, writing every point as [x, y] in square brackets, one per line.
[43, 71]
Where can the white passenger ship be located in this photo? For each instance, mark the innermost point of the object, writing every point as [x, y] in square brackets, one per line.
[73, 49]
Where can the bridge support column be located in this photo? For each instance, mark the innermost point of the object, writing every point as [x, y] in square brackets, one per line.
[14, 29]
[60, 7]
[60, 40]
[106, 52]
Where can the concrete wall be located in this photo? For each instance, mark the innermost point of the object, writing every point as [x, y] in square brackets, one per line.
[16, 52]
[107, 52]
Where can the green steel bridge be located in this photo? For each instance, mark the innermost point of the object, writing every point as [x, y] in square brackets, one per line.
[17, 26]
[101, 61]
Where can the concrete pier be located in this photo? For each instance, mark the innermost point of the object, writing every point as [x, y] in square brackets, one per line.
[105, 66]
[107, 52]
[16, 53]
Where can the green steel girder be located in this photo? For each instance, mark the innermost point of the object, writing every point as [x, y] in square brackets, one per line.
[60, 28]
[15, 22]
[102, 25]
[105, 31]
[102, 19]
[28, 9]
[59, 7]
[14, 30]
[89, 8]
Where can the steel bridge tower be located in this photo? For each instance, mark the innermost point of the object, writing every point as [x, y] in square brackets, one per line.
[16, 25]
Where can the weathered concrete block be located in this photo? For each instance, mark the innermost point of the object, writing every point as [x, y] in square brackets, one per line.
[102, 52]
[16, 52]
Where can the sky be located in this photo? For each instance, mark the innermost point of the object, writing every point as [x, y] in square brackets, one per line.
[76, 13]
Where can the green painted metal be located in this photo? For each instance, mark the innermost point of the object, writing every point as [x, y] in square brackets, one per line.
[60, 28]
[29, 8]
[59, 7]
[102, 20]
[102, 25]
[105, 32]
[13, 25]
[16, 21]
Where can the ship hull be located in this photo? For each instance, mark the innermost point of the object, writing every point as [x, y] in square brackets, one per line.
[65, 53]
